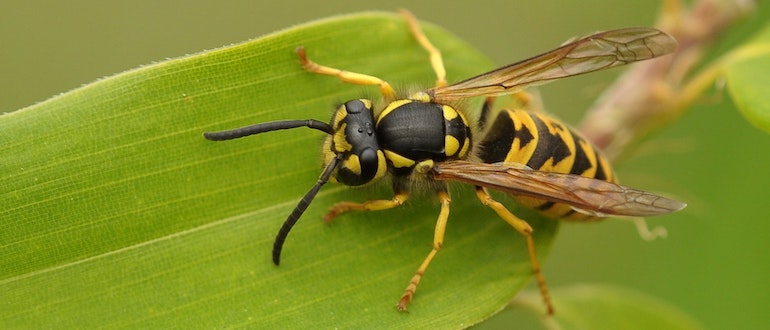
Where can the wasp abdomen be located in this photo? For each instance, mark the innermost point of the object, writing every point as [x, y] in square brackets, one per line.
[543, 144]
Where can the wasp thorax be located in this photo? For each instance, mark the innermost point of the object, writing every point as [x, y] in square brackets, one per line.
[414, 130]
[355, 140]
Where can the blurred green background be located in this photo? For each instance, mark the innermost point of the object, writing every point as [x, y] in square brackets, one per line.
[714, 264]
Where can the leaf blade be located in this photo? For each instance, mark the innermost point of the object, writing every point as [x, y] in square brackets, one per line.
[128, 217]
[585, 306]
[746, 72]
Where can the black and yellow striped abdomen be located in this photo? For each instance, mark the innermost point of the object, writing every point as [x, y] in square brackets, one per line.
[543, 144]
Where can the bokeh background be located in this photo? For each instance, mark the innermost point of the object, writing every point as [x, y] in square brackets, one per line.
[715, 264]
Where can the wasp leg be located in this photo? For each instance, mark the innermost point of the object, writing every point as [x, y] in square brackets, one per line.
[346, 76]
[373, 205]
[525, 100]
[438, 242]
[435, 55]
[645, 232]
[525, 229]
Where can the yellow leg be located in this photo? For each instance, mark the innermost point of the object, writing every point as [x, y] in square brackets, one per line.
[524, 100]
[525, 229]
[349, 77]
[374, 205]
[435, 55]
[438, 242]
[645, 232]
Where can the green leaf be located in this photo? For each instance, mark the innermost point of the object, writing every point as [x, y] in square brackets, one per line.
[592, 306]
[747, 72]
[116, 212]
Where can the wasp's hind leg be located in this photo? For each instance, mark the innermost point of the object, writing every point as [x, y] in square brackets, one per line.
[525, 229]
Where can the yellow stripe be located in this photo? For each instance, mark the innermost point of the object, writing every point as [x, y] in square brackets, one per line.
[518, 153]
[341, 143]
[398, 160]
[559, 130]
[449, 112]
[391, 106]
[523, 120]
[353, 164]
[591, 155]
[451, 144]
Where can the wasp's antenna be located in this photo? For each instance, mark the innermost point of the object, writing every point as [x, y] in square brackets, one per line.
[267, 127]
[301, 207]
[308, 198]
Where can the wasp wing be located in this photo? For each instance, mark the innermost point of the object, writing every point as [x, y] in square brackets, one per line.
[598, 51]
[587, 195]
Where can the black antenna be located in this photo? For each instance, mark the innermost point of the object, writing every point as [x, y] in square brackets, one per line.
[308, 198]
[301, 207]
[267, 127]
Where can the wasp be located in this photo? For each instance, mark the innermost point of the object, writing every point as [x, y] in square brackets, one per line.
[426, 139]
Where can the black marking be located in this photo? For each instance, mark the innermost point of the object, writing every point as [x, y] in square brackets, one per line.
[581, 162]
[500, 137]
[545, 206]
[568, 213]
[549, 146]
[458, 129]
[601, 174]
[524, 136]
[355, 106]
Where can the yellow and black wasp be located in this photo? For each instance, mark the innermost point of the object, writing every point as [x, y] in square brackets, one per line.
[425, 139]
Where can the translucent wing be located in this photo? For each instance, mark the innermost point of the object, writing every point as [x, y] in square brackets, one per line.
[591, 196]
[598, 51]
